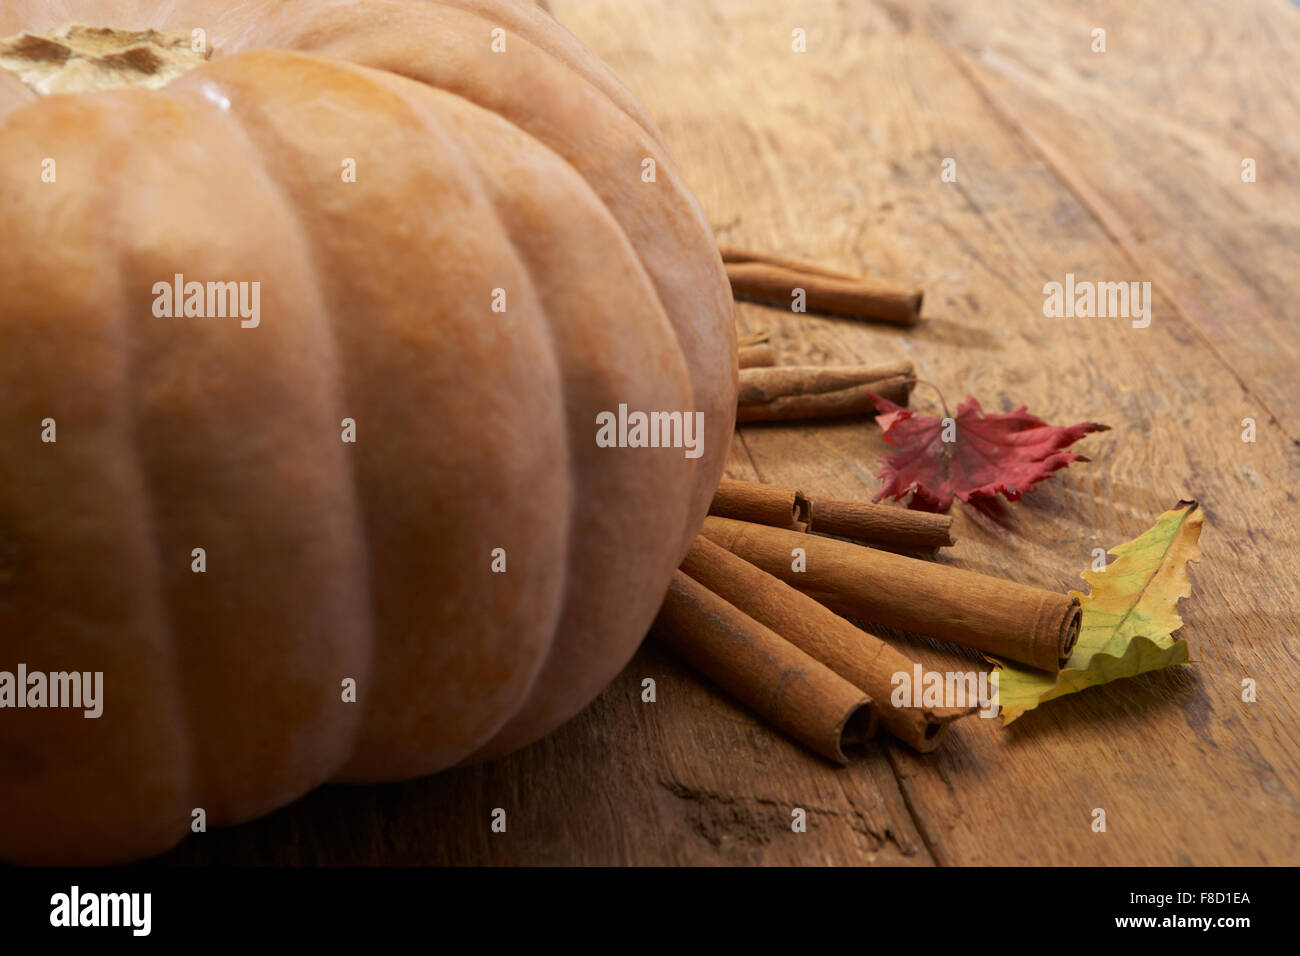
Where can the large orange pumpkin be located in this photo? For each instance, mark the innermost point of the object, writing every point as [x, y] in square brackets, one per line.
[391, 181]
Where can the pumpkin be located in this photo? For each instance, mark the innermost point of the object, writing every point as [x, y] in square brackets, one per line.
[386, 487]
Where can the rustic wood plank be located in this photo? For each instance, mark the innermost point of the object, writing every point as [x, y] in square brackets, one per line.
[1151, 134]
[835, 155]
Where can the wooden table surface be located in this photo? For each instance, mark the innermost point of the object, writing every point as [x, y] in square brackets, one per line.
[1114, 166]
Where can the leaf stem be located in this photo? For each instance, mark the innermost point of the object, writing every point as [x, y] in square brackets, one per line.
[921, 381]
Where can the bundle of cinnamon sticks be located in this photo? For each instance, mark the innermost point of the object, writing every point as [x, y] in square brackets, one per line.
[762, 602]
[769, 392]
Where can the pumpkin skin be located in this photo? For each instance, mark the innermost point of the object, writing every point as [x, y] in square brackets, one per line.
[475, 429]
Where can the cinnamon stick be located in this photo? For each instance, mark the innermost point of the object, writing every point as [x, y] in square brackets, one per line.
[795, 693]
[731, 255]
[788, 392]
[865, 660]
[880, 524]
[861, 520]
[755, 350]
[1027, 624]
[755, 501]
[773, 279]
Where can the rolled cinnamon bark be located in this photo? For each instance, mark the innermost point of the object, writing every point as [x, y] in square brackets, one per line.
[865, 660]
[773, 279]
[861, 520]
[755, 501]
[731, 255]
[755, 350]
[1027, 624]
[792, 691]
[788, 392]
[881, 524]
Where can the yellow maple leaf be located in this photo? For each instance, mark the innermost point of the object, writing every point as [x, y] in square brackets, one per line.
[1128, 619]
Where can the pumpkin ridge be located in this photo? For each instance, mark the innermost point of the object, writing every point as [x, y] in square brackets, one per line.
[571, 472]
[341, 394]
[182, 709]
[350, 49]
[520, 13]
[539, 27]
[669, 180]
[571, 601]
[390, 84]
[62, 595]
[385, 79]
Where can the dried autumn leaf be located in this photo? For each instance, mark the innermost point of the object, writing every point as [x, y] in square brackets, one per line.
[1128, 619]
[984, 455]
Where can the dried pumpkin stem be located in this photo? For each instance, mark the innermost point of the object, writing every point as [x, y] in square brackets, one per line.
[81, 59]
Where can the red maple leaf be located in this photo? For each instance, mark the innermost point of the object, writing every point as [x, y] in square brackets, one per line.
[984, 456]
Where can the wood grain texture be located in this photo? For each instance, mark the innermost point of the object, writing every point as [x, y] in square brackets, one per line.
[1115, 168]
[1150, 136]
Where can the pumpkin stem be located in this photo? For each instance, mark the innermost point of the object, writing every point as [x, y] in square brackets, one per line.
[82, 59]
